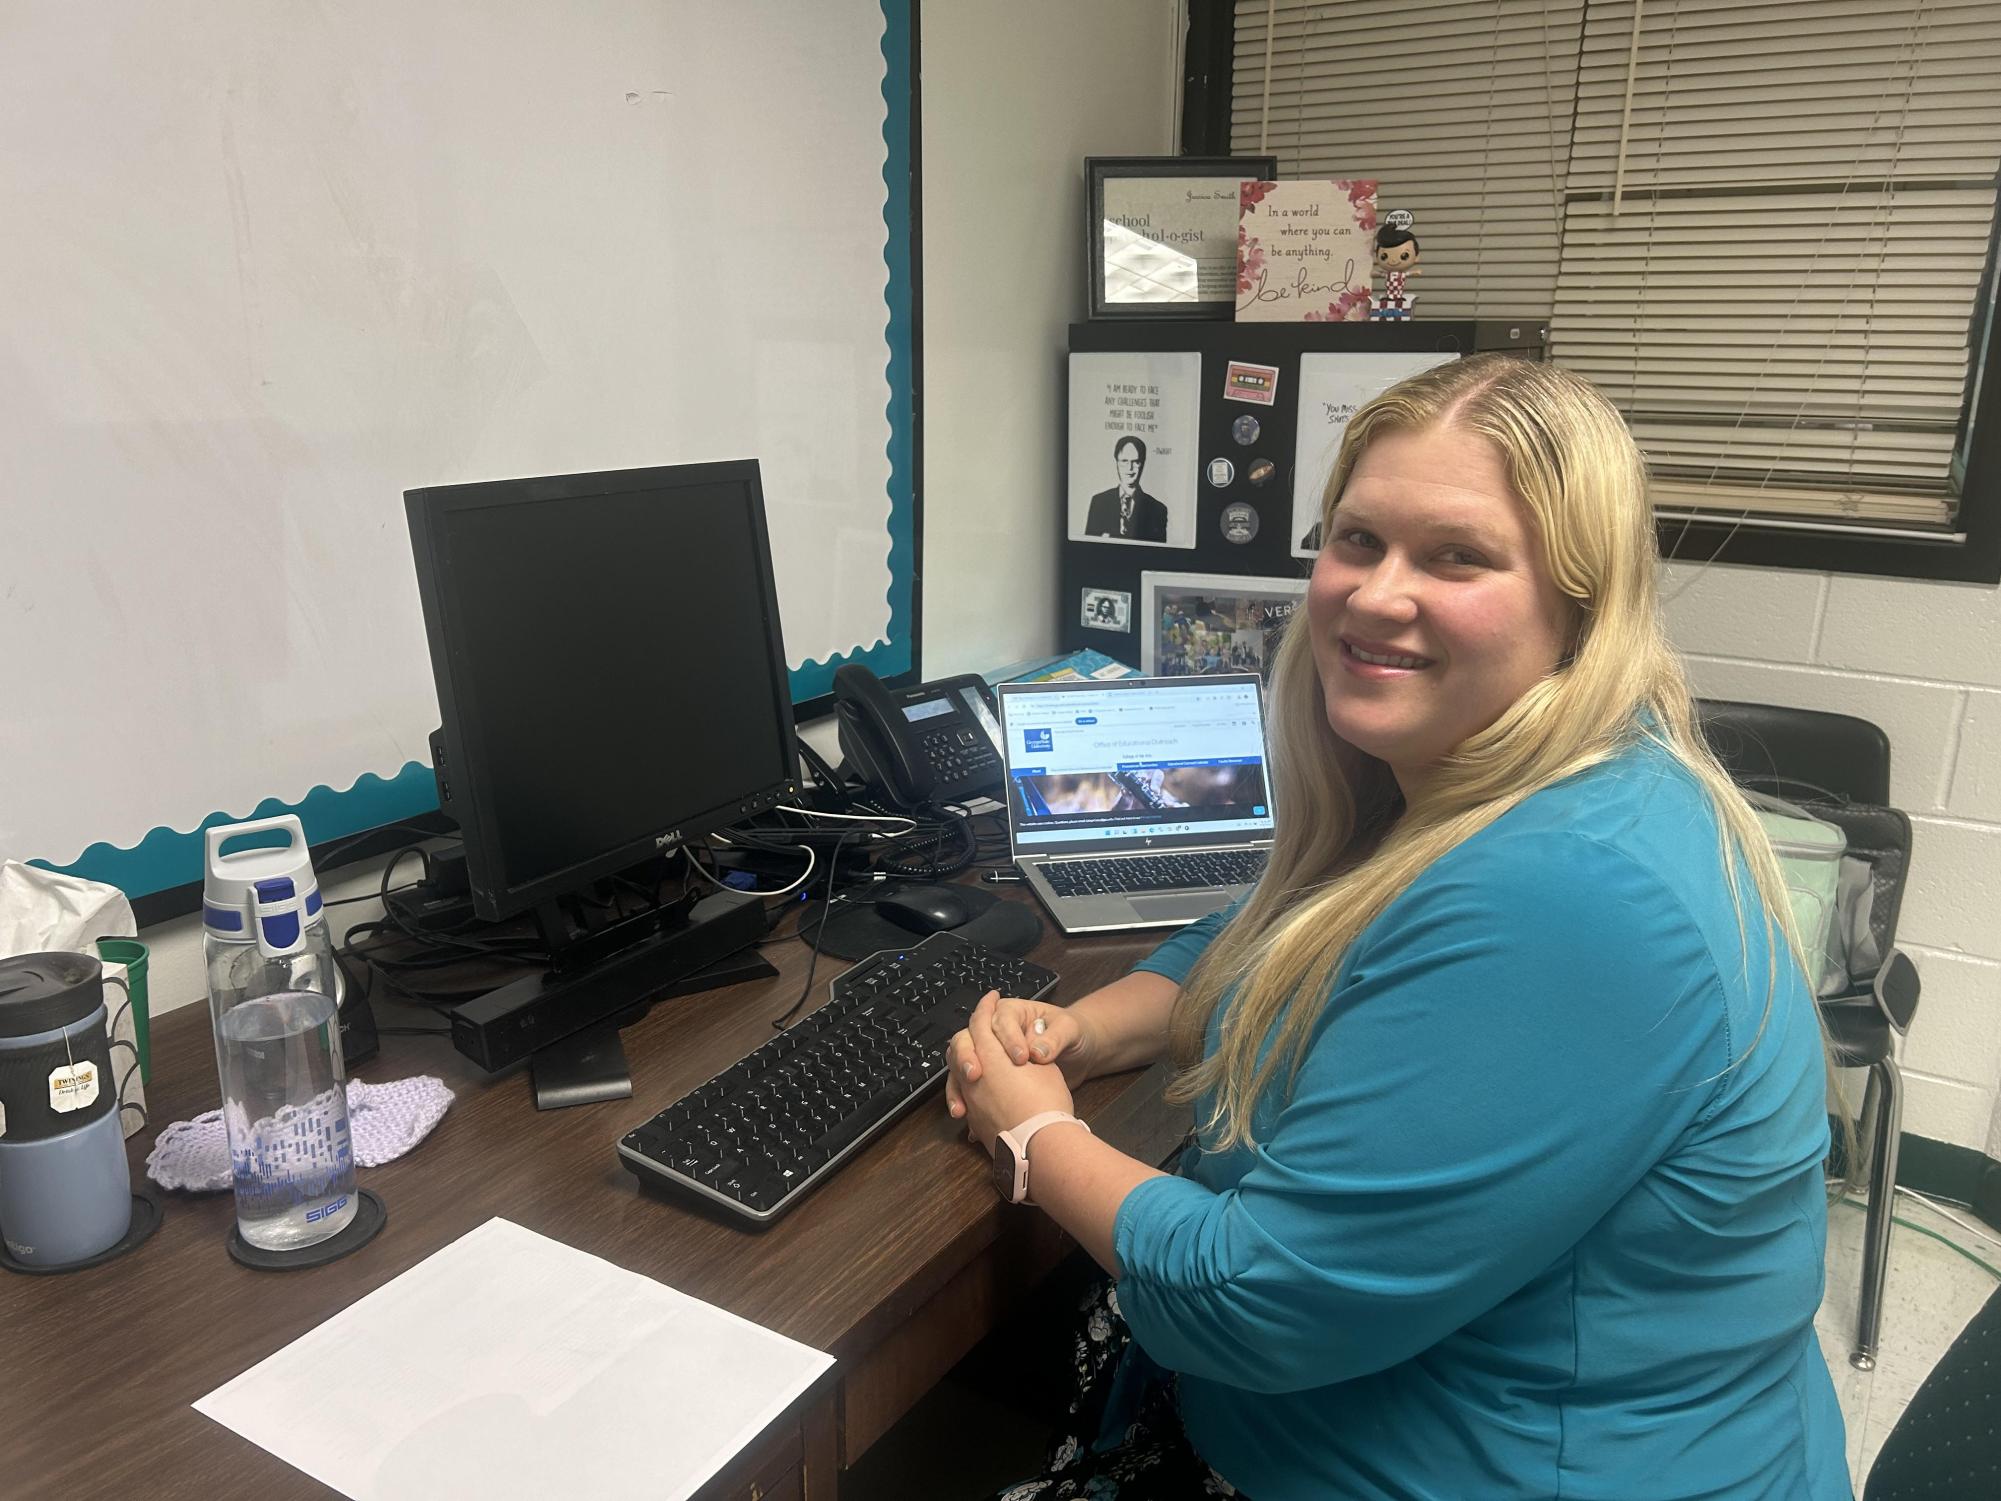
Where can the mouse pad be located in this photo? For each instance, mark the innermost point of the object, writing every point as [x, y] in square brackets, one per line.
[855, 929]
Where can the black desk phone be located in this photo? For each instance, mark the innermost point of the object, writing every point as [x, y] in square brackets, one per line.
[938, 742]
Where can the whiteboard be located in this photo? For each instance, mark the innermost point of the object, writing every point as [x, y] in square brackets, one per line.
[272, 264]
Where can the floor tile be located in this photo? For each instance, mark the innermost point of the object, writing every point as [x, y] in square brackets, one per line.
[1852, 1387]
[1883, 1415]
[1929, 1294]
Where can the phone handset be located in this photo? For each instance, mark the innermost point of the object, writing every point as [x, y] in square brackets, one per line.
[882, 734]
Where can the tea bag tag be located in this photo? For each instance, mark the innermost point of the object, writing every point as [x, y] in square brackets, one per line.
[72, 1087]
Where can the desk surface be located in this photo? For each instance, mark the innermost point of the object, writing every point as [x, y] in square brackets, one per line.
[895, 1267]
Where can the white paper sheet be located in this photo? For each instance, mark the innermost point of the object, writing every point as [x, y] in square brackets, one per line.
[509, 1365]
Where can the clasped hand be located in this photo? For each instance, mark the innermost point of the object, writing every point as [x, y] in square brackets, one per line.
[1000, 1069]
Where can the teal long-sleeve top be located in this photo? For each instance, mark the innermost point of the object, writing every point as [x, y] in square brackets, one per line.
[1543, 1214]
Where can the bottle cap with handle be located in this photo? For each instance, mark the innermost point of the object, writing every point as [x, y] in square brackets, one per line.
[265, 895]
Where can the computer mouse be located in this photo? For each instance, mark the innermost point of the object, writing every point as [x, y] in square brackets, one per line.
[924, 909]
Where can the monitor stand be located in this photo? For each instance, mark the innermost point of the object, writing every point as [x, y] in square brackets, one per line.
[590, 1066]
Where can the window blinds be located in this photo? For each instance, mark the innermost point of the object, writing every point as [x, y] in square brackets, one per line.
[1460, 110]
[1771, 219]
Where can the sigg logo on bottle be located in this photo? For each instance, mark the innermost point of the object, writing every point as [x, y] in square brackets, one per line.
[313, 1215]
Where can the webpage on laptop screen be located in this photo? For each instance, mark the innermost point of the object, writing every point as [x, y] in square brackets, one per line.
[1180, 759]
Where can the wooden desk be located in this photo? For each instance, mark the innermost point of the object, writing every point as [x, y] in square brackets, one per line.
[896, 1267]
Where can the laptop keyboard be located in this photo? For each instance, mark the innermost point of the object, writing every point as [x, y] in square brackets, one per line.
[1184, 872]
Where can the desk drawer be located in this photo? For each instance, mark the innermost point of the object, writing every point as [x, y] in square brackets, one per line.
[887, 1382]
[769, 1470]
[792, 1460]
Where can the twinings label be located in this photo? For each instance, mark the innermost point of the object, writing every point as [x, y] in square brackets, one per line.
[72, 1087]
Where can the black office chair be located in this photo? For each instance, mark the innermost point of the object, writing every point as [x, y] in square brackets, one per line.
[1838, 767]
[1947, 1442]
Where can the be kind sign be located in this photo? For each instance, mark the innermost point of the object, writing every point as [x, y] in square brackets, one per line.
[1303, 251]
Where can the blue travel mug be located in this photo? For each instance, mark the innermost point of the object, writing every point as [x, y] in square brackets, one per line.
[65, 1188]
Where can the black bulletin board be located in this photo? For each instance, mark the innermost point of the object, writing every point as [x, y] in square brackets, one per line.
[1111, 565]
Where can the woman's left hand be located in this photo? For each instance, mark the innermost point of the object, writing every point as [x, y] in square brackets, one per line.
[1006, 1093]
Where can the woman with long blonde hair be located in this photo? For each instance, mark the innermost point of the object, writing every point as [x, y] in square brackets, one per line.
[1510, 1095]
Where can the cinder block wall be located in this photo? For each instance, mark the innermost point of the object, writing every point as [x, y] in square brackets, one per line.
[1923, 661]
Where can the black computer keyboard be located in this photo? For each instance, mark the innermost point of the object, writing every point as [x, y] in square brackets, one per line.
[1155, 872]
[768, 1129]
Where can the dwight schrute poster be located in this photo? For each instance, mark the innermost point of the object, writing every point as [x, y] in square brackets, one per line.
[1133, 462]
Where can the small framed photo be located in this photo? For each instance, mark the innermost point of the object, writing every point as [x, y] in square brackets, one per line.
[1108, 609]
[1193, 624]
[1161, 233]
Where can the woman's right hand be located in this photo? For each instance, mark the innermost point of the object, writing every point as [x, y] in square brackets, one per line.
[1032, 1032]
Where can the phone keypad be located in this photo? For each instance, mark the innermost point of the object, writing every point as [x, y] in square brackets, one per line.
[958, 754]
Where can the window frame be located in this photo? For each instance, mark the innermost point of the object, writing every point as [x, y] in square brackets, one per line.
[1969, 554]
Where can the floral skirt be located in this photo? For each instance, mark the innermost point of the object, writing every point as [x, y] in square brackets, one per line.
[1123, 1440]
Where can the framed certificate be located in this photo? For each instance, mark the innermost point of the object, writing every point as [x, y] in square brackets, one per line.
[1161, 233]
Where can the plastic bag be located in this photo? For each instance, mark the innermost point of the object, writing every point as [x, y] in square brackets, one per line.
[1810, 852]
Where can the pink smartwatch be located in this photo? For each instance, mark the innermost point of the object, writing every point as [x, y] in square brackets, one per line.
[1011, 1154]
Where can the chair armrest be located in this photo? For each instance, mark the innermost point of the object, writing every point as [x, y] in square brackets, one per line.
[1895, 989]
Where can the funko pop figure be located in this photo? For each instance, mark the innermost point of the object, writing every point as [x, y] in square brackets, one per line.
[1396, 256]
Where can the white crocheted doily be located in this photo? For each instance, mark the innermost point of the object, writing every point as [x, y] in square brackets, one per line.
[383, 1120]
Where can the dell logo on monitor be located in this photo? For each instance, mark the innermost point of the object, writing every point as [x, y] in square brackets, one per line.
[671, 837]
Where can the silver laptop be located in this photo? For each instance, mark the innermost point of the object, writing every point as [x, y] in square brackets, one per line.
[1138, 802]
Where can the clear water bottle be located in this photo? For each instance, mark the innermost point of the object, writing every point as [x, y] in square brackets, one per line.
[274, 996]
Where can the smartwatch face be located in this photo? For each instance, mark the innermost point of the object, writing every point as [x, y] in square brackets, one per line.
[1003, 1170]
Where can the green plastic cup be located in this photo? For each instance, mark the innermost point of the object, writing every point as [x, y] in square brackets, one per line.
[131, 953]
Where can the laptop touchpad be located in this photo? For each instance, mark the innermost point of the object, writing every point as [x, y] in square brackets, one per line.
[1190, 904]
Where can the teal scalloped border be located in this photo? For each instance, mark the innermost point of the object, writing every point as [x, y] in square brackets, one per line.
[892, 656]
[166, 858]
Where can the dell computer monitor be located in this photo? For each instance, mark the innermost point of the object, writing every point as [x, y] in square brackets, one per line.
[609, 668]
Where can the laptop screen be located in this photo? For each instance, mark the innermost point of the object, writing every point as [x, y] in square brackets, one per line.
[1176, 758]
